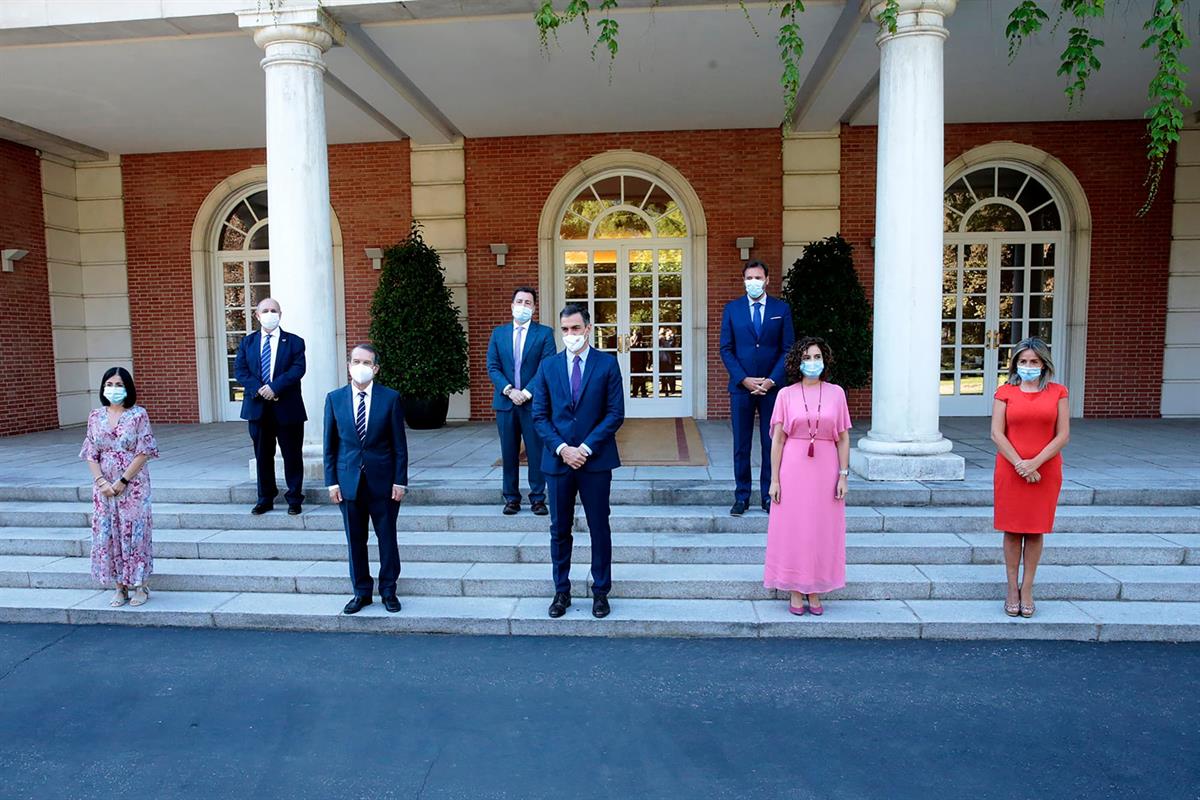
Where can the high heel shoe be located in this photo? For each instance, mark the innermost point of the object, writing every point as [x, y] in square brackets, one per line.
[797, 610]
[1027, 610]
[816, 611]
[1012, 609]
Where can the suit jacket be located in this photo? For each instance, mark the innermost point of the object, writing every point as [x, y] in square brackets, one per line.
[539, 345]
[285, 377]
[758, 356]
[383, 456]
[593, 421]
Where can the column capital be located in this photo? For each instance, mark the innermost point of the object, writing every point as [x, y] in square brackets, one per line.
[914, 17]
[309, 25]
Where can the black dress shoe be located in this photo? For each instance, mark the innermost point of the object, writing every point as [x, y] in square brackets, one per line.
[357, 604]
[600, 607]
[512, 507]
[539, 508]
[738, 508]
[766, 504]
[294, 509]
[262, 508]
[391, 603]
[559, 605]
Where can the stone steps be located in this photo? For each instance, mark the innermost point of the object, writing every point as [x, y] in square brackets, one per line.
[648, 581]
[1066, 549]
[926, 619]
[630, 518]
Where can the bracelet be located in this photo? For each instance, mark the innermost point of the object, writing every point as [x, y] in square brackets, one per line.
[124, 480]
[99, 479]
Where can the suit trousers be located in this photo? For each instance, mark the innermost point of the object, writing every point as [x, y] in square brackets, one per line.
[514, 426]
[380, 512]
[264, 432]
[742, 407]
[593, 489]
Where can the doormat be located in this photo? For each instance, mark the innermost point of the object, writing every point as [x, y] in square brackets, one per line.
[667, 442]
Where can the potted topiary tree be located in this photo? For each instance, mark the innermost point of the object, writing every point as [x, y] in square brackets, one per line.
[828, 301]
[415, 326]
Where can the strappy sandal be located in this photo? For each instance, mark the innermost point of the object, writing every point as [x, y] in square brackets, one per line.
[119, 598]
[1013, 609]
[140, 595]
[1027, 610]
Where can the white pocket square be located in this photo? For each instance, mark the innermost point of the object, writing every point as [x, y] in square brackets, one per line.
[780, 317]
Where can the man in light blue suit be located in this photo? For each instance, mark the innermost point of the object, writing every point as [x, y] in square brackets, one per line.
[514, 354]
[756, 334]
[578, 405]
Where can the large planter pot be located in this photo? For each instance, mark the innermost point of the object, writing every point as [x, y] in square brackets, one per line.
[425, 413]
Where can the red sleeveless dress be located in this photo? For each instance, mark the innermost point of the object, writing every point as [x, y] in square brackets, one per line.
[1030, 419]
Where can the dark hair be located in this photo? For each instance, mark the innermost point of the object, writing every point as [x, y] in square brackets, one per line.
[370, 348]
[528, 289]
[756, 263]
[571, 309]
[796, 355]
[127, 379]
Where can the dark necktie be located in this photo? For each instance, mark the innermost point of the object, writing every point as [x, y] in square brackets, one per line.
[360, 416]
[266, 359]
[576, 379]
[758, 319]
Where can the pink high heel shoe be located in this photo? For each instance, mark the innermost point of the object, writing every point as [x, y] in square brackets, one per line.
[816, 611]
[797, 610]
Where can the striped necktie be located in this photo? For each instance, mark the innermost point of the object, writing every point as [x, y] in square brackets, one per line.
[266, 359]
[360, 416]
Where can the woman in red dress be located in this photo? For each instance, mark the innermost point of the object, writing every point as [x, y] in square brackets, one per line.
[1030, 426]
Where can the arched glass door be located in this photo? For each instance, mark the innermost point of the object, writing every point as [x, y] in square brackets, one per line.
[623, 252]
[1002, 270]
[243, 270]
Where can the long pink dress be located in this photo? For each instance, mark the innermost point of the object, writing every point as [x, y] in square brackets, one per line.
[806, 533]
[122, 547]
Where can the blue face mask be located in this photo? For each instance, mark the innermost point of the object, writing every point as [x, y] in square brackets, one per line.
[522, 314]
[812, 369]
[115, 395]
[1029, 373]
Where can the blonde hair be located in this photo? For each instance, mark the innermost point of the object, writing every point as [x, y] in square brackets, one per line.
[1041, 350]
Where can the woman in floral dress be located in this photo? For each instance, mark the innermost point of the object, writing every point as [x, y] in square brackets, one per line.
[116, 448]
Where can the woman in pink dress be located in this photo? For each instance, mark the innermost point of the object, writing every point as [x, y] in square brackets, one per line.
[116, 448]
[810, 458]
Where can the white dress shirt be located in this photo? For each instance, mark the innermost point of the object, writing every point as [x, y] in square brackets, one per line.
[583, 357]
[524, 346]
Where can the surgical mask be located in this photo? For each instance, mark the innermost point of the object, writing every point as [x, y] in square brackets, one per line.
[269, 320]
[522, 314]
[1029, 373]
[812, 369]
[754, 287]
[574, 342]
[115, 394]
[362, 374]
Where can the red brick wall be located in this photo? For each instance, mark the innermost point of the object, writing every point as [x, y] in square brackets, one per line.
[370, 193]
[25, 293]
[1127, 292]
[736, 173]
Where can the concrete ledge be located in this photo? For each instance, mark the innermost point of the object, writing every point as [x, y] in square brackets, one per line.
[965, 619]
[885, 467]
[850, 619]
[723, 618]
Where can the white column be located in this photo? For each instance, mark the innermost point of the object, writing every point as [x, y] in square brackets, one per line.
[298, 193]
[904, 442]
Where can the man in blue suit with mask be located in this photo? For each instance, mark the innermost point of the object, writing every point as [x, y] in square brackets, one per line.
[756, 334]
[514, 354]
[578, 405]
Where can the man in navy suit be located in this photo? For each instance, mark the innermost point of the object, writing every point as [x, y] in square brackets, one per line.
[269, 365]
[514, 354]
[366, 470]
[578, 405]
[756, 334]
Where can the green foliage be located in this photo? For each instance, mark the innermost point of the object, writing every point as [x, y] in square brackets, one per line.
[414, 323]
[1024, 21]
[791, 49]
[827, 300]
[889, 16]
[1168, 91]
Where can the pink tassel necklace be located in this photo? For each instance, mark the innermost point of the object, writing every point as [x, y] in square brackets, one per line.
[812, 429]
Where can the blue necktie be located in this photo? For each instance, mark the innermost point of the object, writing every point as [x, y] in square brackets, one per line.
[266, 359]
[576, 380]
[758, 319]
[360, 416]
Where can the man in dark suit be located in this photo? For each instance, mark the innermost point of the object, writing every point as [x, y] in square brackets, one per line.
[514, 354]
[578, 405]
[366, 470]
[269, 365]
[756, 334]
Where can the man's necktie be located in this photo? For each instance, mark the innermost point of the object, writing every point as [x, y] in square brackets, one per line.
[360, 416]
[576, 379]
[758, 319]
[517, 359]
[266, 359]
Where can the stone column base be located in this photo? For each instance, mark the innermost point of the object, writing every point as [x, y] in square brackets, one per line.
[890, 467]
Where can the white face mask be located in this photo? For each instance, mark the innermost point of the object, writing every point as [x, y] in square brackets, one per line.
[362, 374]
[754, 287]
[574, 342]
[269, 320]
[522, 314]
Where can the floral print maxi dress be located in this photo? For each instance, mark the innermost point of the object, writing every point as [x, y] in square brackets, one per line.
[122, 551]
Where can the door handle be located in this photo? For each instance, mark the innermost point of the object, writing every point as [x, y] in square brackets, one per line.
[622, 343]
[988, 342]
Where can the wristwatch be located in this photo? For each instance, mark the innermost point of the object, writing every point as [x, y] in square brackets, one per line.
[844, 472]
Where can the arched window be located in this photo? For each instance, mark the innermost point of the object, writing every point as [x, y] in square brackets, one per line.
[623, 207]
[243, 258]
[999, 199]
